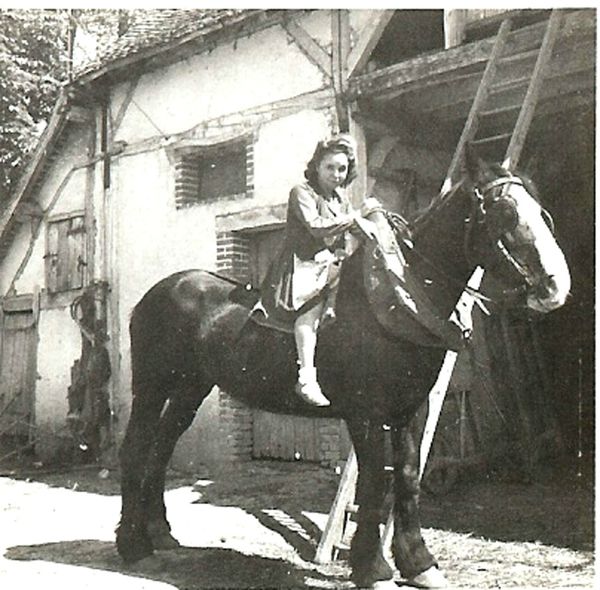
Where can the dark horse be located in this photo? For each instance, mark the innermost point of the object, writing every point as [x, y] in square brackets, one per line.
[187, 334]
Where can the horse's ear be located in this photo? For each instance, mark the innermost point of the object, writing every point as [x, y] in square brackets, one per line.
[477, 171]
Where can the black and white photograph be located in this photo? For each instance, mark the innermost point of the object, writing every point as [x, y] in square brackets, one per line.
[297, 297]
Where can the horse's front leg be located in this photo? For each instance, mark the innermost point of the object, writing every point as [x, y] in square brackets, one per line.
[411, 556]
[366, 556]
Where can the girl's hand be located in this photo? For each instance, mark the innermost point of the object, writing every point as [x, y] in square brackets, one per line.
[369, 205]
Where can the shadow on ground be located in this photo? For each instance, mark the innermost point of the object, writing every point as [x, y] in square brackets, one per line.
[187, 568]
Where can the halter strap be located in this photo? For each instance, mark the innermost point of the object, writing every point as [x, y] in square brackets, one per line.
[502, 181]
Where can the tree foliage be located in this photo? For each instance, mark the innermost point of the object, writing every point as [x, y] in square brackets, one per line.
[33, 64]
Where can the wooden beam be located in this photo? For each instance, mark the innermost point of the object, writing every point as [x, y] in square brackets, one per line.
[369, 37]
[450, 91]
[311, 48]
[412, 74]
[457, 100]
[77, 114]
[340, 48]
[131, 88]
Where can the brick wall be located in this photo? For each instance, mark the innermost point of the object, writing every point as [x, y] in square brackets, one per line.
[235, 419]
[334, 442]
[233, 255]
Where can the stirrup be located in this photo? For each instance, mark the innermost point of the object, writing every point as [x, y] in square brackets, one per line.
[311, 393]
[328, 317]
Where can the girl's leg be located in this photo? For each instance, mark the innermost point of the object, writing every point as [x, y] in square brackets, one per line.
[305, 334]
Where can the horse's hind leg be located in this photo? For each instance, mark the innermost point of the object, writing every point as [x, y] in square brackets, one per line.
[412, 557]
[176, 418]
[133, 542]
[366, 556]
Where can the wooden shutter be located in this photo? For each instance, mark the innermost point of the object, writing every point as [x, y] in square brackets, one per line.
[66, 256]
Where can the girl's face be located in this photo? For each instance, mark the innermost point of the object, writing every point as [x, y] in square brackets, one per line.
[332, 171]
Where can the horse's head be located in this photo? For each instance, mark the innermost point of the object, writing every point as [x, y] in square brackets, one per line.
[511, 235]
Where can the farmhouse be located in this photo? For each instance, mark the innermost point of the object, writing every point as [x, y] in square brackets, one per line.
[175, 148]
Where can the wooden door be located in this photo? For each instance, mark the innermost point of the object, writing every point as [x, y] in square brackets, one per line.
[277, 436]
[17, 367]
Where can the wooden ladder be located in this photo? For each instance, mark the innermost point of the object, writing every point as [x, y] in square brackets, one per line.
[492, 83]
[487, 104]
[333, 537]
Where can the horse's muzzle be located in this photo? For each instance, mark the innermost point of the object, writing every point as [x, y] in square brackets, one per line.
[548, 294]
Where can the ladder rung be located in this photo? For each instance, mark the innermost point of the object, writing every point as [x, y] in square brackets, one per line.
[352, 508]
[523, 56]
[499, 110]
[509, 85]
[492, 138]
[342, 546]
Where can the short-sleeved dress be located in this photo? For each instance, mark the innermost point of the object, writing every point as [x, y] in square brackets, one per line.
[296, 280]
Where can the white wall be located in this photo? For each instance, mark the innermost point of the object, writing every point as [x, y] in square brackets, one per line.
[141, 237]
[59, 346]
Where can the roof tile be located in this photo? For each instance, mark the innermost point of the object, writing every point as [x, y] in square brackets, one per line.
[157, 27]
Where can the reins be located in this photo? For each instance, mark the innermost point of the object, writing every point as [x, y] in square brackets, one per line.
[478, 213]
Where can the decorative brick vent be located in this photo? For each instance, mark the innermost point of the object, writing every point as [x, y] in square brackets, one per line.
[210, 173]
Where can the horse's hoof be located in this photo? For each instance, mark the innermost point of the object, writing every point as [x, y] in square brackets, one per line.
[132, 546]
[165, 542]
[431, 578]
[385, 585]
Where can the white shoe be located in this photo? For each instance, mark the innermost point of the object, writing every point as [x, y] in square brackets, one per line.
[309, 389]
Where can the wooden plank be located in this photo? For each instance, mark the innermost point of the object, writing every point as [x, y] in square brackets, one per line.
[340, 48]
[413, 73]
[454, 91]
[131, 88]
[367, 41]
[76, 243]
[52, 257]
[17, 373]
[332, 533]
[62, 256]
[517, 142]
[17, 303]
[554, 90]
[313, 51]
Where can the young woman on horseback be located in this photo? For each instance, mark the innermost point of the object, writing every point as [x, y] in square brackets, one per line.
[301, 284]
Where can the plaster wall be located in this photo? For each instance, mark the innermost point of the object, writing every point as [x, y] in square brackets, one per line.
[154, 239]
[256, 70]
[58, 347]
[11, 262]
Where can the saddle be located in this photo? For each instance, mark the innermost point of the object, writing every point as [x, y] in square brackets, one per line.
[396, 296]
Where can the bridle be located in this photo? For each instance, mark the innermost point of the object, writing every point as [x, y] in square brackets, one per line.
[484, 199]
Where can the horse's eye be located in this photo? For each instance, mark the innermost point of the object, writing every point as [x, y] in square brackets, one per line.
[502, 217]
[548, 219]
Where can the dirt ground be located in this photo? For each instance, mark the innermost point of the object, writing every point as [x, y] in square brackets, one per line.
[256, 525]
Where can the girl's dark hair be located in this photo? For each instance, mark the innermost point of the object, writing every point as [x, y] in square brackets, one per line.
[342, 144]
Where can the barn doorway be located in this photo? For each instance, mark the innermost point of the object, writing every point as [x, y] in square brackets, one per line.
[286, 437]
[18, 348]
